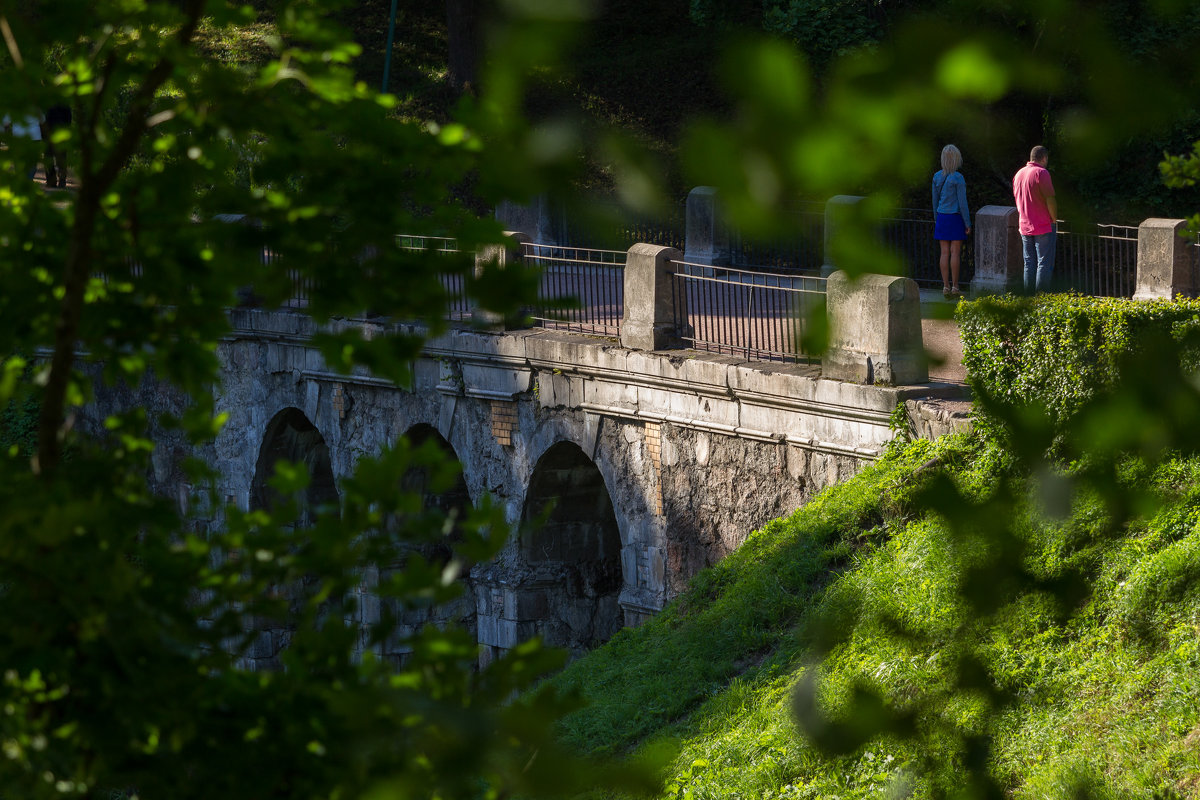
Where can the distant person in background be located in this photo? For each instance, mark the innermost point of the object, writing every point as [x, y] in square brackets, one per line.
[1034, 192]
[57, 117]
[952, 219]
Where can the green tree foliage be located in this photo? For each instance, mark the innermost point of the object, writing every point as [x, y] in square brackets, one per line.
[126, 623]
[1057, 353]
[1184, 171]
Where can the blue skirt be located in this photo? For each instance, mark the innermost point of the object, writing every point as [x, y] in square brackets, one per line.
[949, 228]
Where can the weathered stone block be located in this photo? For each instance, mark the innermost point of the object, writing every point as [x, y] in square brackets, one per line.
[629, 566]
[369, 608]
[609, 394]
[313, 360]
[875, 333]
[999, 265]
[553, 390]
[426, 374]
[487, 627]
[526, 605]
[538, 218]
[707, 234]
[709, 373]
[656, 569]
[495, 382]
[654, 401]
[1166, 261]
[649, 316]
[684, 406]
[719, 411]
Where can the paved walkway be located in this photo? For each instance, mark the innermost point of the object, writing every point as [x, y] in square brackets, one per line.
[940, 333]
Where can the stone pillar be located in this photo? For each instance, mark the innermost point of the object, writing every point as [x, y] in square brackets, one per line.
[504, 256]
[707, 235]
[535, 216]
[837, 209]
[1165, 260]
[999, 267]
[875, 330]
[649, 319]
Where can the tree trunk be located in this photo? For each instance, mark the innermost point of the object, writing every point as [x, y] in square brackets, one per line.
[464, 24]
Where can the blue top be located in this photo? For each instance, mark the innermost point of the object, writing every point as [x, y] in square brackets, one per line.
[950, 195]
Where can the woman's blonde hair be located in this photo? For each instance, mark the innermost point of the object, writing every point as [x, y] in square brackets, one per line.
[951, 159]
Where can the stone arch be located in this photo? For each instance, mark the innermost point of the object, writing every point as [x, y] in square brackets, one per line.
[574, 556]
[290, 436]
[454, 503]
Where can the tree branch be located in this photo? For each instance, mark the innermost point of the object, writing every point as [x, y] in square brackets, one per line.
[77, 268]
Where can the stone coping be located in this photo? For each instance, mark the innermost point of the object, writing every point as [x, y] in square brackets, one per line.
[701, 372]
[788, 403]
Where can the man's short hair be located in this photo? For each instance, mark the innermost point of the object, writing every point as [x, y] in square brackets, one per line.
[1038, 153]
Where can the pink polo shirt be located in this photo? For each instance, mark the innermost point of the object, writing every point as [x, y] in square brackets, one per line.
[1031, 187]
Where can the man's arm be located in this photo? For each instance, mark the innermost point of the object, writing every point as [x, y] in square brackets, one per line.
[1051, 206]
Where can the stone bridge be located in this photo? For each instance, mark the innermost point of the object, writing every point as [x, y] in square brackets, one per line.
[659, 463]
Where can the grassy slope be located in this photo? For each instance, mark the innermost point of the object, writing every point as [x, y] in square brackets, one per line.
[1110, 697]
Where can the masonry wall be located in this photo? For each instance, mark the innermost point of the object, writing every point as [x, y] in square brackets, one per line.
[693, 453]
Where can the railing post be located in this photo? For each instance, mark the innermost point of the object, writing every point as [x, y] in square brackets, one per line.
[648, 322]
[706, 236]
[999, 266]
[837, 209]
[875, 330]
[502, 256]
[1164, 261]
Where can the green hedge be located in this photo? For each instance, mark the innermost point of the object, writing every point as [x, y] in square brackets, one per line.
[1059, 351]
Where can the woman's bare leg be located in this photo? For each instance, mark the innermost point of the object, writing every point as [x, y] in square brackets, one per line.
[944, 265]
[955, 261]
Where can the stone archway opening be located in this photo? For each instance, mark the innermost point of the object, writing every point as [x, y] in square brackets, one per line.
[291, 437]
[574, 557]
[453, 502]
[434, 532]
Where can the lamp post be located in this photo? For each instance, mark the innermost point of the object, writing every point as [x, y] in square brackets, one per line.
[387, 56]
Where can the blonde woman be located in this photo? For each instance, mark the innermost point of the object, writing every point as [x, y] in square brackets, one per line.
[952, 219]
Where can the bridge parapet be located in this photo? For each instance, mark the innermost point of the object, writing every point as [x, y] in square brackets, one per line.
[685, 452]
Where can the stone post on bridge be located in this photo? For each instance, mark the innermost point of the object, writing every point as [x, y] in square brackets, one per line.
[651, 304]
[1166, 260]
[999, 266]
[707, 233]
[541, 217]
[504, 256]
[875, 330]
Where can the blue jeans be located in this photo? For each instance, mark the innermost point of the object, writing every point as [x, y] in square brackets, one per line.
[1039, 261]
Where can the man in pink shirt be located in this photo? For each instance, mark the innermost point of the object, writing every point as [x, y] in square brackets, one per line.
[1037, 209]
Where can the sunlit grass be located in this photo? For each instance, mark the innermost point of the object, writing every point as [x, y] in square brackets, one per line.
[1106, 700]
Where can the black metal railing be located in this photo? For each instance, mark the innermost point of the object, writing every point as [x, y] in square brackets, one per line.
[908, 232]
[458, 305]
[799, 251]
[1102, 263]
[582, 289]
[615, 226]
[754, 314]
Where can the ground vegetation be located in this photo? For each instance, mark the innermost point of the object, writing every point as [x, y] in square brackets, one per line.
[1010, 613]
